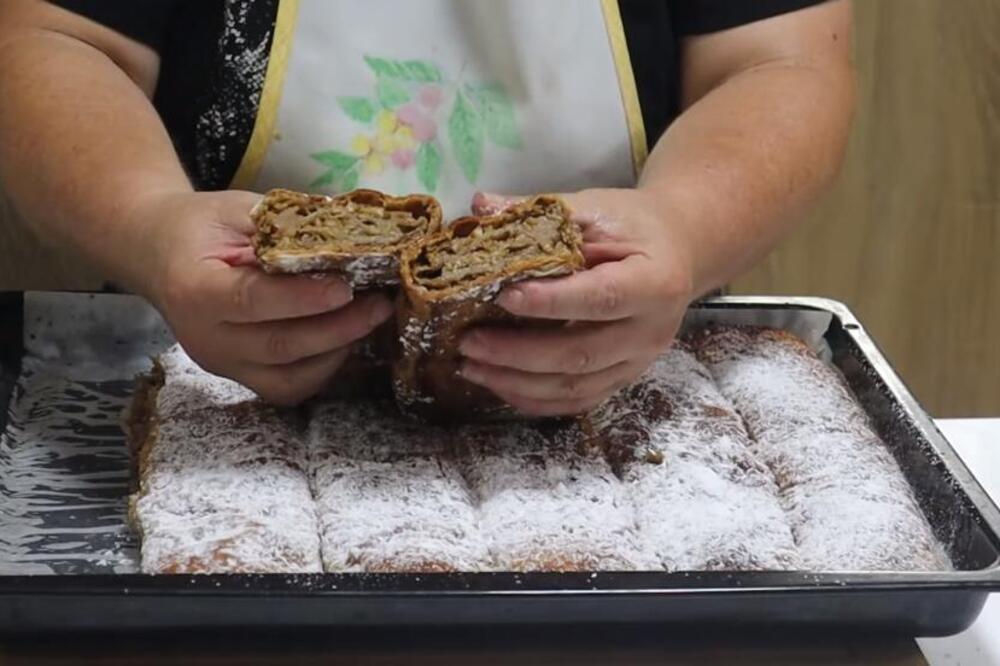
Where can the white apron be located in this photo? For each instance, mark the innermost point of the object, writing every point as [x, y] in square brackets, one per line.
[446, 97]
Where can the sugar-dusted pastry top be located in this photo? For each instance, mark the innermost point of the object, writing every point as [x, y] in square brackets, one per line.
[546, 502]
[388, 496]
[846, 499]
[702, 500]
[358, 234]
[738, 450]
[222, 484]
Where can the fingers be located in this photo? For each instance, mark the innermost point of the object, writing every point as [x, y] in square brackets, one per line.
[573, 350]
[609, 291]
[238, 256]
[234, 208]
[246, 294]
[553, 387]
[292, 383]
[290, 340]
[487, 203]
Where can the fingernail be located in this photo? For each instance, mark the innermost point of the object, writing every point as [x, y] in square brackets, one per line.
[479, 201]
[511, 298]
[472, 373]
[338, 293]
[471, 345]
[380, 312]
[488, 203]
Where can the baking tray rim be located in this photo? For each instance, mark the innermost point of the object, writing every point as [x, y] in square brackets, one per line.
[498, 584]
[604, 583]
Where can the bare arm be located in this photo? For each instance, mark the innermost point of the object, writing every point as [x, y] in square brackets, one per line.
[87, 161]
[768, 111]
[79, 138]
[768, 107]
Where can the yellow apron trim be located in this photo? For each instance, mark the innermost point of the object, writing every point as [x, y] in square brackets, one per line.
[270, 96]
[626, 83]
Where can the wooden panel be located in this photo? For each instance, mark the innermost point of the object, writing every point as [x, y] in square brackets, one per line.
[910, 235]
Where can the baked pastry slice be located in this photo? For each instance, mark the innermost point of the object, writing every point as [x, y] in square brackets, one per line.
[222, 485]
[358, 235]
[849, 505]
[545, 502]
[702, 500]
[388, 496]
[449, 283]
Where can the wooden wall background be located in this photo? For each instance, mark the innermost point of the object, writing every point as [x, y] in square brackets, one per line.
[910, 235]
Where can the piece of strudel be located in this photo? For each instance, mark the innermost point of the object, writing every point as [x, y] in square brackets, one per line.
[702, 500]
[848, 503]
[358, 235]
[222, 485]
[450, 281]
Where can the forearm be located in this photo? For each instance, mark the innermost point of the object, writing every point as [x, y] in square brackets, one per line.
[79, 145]
[740, 166]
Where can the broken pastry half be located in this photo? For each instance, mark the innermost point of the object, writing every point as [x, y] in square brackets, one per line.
[449, 283]
[358, 235]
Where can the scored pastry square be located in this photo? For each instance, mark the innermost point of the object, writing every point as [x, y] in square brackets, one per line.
[389, 497]
[849, 504]
[358, 235]
[546, 503]
[449, 283]
[702, 500]
[713, 465]
[222, 481]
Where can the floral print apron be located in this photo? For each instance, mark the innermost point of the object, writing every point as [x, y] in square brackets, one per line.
[446, 97]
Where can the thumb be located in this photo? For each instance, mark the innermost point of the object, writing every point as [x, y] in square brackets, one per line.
[489, 203]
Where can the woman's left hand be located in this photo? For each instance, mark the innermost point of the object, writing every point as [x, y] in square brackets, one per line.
[625, 309]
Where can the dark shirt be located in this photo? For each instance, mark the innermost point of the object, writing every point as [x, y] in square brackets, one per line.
[209, 106]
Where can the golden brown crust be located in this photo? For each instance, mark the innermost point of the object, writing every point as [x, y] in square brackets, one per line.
[432, 316]
[139, 421]
[706, 339]
[140, 425]
[363, 264]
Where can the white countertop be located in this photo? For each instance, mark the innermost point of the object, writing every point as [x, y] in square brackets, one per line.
[978, 442]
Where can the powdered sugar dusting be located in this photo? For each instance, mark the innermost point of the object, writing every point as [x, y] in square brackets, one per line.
[223, 488]
[702, 500]
[389, 500]
[675, 482]
[546, 506]
[848, 503]
[191, 389]
[362, 272]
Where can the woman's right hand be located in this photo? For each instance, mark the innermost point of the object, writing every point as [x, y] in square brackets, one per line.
[282, 336]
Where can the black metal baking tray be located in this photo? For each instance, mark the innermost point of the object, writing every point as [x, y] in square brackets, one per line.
[914, 604]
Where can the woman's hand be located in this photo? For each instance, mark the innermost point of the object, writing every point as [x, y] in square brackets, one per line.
[282, 336]
[625, 309]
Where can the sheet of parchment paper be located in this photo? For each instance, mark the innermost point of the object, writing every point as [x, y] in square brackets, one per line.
[63, 460]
